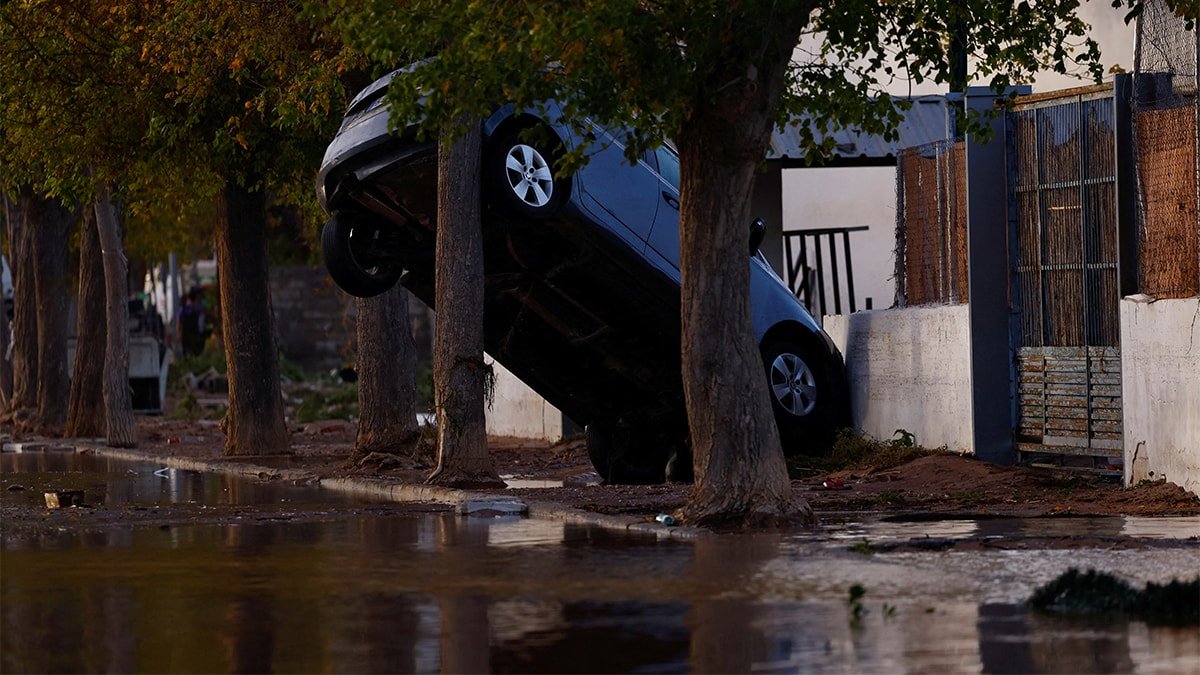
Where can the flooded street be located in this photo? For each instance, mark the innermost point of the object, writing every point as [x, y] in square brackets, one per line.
[218, 574]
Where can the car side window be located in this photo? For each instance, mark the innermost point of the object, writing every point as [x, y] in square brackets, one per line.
[668, 165]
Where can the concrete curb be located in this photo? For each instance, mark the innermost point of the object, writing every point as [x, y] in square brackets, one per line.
[465, 502]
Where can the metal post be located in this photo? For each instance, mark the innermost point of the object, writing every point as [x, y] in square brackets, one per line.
[849, 269]
[833, 274]
[820, 272]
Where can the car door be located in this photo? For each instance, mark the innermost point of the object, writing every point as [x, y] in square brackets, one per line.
[664, 235]
[617, 192]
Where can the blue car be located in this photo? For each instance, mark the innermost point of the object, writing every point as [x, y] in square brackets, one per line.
[581, 277]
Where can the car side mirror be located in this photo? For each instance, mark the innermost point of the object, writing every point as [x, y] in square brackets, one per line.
[758, 231]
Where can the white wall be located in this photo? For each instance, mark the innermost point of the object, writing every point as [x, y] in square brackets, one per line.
[1160, 389]
[909, 369]
[518, 412]
[850, 197]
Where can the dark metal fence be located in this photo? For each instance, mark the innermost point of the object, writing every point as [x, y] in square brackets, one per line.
[931, 224]
[814, 257]
[1167, 142]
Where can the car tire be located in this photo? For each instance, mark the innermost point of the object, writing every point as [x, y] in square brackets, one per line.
[806, 395]
[352, 258]
[620, 459]
[523, 175]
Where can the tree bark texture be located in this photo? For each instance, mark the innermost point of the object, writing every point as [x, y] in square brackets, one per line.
[118, 404]
[49, 222]
[6, 370]
[740, 473]
[22, 405]
[254, 423]
[387, 380]
[85, 406]
[460, 377]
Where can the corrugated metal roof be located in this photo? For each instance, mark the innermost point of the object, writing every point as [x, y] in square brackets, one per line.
[929, 119]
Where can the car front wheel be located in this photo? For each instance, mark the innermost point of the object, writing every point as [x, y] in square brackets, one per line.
[357, 256]
[805, 394]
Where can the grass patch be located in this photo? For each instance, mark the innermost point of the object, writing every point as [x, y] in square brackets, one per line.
[197, 364]
[852, 450]
[864, 547]
[188, 408]
[1175, 603]
[334, 403]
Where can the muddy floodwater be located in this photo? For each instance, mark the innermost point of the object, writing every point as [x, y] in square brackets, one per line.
[194, 572]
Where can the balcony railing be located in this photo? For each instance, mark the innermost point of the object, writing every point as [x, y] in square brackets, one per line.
[812, 258]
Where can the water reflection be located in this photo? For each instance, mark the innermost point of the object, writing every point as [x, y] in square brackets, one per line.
[384, 592]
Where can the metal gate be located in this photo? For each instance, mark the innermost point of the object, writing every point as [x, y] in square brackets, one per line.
[1065, 275]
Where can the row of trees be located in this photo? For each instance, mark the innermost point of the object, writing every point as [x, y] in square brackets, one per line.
[151, 112]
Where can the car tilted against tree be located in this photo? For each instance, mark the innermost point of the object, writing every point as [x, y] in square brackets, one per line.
[581, 276]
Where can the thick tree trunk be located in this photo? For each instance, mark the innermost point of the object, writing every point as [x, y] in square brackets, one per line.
[85, 407]
[387, 381]
[22, 406]
[460, 377]
[254, 424]
[51, 221]
[118, 406]
[6, 370]
[740, 474]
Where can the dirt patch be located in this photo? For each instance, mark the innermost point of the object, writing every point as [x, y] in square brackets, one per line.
[942, 483]
[956, 484]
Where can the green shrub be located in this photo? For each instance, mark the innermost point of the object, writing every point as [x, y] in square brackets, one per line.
[852, 450]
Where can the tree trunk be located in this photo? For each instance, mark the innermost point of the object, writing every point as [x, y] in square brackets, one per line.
[254, 423]
[85, 406]
[118, 406]
[22, 405]
[51, 221]
[6, 371]
[387, 381]
[740, 473]
[460, 377]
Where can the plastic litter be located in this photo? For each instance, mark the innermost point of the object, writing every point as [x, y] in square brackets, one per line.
[63, 499]
[665, 519]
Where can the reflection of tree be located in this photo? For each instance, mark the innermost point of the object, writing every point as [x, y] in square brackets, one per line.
[249, 639]
[724, 636]
[465, 633]
[387, 624]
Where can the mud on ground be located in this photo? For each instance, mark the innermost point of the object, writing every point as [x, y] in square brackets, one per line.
[940, 483]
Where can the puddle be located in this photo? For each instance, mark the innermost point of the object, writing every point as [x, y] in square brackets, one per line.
[385, 590]
[886, 529]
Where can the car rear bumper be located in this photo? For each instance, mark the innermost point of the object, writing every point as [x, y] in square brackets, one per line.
[362, 149]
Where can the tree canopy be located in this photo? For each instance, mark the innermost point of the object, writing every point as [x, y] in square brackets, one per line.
[167, 99]
[649, 67]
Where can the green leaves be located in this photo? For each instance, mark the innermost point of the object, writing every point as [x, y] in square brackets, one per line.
[650, 67]
[166, 99]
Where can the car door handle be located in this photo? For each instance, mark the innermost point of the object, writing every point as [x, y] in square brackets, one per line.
[671, 199]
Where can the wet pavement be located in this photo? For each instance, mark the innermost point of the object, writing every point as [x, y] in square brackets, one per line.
[238, 575]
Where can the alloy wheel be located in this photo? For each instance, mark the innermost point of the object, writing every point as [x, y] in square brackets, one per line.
[793, 384]
[529, 175]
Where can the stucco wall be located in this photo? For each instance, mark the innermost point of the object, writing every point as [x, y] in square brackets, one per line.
[850, 197]
[519, 412]
[1160, 388]
[909, 369]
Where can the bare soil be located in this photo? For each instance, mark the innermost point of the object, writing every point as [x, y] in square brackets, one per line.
[937, 484]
